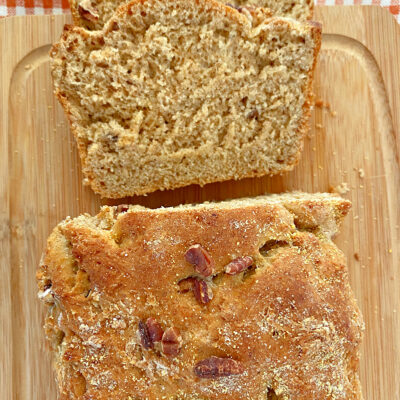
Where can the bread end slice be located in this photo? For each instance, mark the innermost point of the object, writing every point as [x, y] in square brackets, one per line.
[93, 14]
[173, 93]
[287, 325]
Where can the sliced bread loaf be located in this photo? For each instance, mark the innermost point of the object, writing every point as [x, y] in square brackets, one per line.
[93, 14]
[175, 92]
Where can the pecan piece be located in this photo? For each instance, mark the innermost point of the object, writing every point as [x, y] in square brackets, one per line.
[171, 342]
[87, 11]
[145, 336]
[238, 265]
[154, 329]
[121, 208]
[216, 367]
[253, 114]
[200, 258]
[201, 291]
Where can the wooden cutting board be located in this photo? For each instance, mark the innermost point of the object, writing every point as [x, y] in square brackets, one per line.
[353, 140]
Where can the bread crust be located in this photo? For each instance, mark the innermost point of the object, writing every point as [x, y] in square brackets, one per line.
[152, 184]
[304, 125]
[292, 322]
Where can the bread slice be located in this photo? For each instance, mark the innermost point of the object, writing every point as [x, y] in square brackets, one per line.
[175, 92]
[93, 14]
[244, 299]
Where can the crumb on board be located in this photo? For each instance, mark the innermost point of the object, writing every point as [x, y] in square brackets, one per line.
[357, 256]
[342, 188]
[361, 173]
[323, 104]
[318, 126]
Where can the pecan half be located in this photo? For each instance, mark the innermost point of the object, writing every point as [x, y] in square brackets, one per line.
[171, 342]
[154, 329]
[238, 265]
[216, 367]
[145, 336]
[200, 258]
[201, 291]
[87, 11]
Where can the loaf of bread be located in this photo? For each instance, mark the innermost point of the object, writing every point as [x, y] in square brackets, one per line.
[243, 299]
[176, 92]
[93, 14]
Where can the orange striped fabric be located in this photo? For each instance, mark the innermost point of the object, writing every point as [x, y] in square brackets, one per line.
[393, 6]
[33, 7]
[40, 7]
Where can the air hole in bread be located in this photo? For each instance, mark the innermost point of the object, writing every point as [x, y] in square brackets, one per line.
[271, 245]
[185, 285]
[82, 283]
[302, 227]
[249, 272]
[271, 395]
[47, 285]
[79, 384]
[58, 337]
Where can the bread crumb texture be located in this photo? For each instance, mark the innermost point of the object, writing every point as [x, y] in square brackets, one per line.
[93, 14]
[287, 328]
[176, 92]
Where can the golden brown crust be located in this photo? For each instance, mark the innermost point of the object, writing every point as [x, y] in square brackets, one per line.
[291, 325]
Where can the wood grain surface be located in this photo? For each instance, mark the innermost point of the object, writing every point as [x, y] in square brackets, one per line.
[354, 140]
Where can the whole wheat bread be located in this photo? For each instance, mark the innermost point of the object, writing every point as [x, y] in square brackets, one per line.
[93, 14]
[176, 92]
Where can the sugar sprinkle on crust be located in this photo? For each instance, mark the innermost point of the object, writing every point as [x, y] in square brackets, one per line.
[291, 324]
